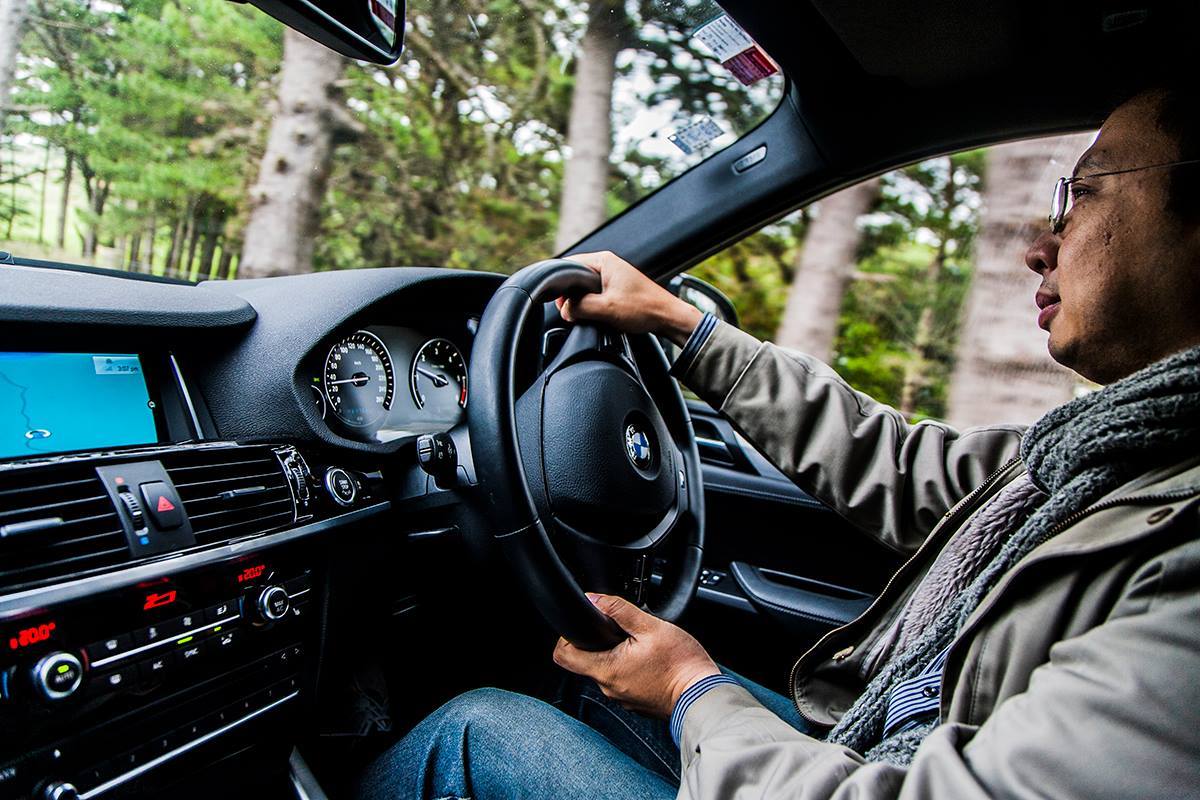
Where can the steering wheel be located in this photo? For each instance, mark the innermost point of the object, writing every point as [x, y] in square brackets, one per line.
[582, 474]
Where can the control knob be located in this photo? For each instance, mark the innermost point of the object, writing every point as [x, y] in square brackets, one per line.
[273, 603]
[57, 676]
[59, 790]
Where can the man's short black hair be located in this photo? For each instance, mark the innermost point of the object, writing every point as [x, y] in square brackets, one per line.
[1178, 116]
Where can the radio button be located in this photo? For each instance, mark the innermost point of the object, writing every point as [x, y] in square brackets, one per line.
[58, 675]
[108, 647]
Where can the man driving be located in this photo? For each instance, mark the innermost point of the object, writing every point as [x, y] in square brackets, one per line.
[1043, 639]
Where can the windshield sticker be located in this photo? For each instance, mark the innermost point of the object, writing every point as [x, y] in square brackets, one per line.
[384, 14]
[695, 135]
[736, 51]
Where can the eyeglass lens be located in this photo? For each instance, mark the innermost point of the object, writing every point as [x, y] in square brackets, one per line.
[1059, 203]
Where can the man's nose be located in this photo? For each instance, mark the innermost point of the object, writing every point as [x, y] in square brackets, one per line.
[1042, 254]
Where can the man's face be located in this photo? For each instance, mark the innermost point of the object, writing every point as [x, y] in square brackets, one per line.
[1121, 282]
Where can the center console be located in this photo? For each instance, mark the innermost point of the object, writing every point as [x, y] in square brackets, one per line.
[159, 611]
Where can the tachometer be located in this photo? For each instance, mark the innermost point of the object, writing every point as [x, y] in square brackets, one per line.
[359, 380]
[439, 378]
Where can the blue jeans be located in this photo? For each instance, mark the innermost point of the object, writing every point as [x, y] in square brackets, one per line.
[489, 744]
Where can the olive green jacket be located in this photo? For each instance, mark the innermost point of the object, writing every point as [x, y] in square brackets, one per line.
[1077, 676]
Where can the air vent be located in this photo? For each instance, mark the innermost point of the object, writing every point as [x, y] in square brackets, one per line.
[231, 492]
[56, 520]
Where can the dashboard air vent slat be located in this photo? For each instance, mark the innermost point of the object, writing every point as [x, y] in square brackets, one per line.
[57, 521]
[232, 492]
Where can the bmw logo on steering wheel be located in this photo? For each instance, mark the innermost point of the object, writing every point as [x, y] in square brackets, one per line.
[637, 447]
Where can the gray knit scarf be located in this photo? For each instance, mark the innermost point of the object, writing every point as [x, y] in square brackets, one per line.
[1076, 454]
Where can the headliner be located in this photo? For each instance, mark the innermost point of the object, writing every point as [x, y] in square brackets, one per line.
[872, 78]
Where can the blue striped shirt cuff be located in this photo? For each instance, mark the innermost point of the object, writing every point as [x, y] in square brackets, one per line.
[691, 695]
[691, 348]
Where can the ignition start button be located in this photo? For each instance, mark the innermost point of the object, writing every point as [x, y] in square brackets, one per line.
[341, 486]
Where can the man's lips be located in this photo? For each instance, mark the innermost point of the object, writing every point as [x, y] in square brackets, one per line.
[1048, 310]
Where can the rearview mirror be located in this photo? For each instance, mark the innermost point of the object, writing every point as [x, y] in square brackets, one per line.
[369, 30]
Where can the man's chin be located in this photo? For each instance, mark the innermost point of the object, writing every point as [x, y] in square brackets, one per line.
[1065, 354]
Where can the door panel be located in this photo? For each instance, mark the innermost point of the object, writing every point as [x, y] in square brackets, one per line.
[781, 568]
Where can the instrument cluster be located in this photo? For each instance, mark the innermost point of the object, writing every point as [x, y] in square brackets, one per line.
[381, 382]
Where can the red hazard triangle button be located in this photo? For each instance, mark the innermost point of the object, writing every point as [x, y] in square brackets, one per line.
[163, 505]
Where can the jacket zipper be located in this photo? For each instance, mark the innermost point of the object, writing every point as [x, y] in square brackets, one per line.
[970, 497]
[1139, 499]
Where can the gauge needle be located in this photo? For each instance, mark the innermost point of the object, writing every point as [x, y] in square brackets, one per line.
[358, 380]
[438, 380]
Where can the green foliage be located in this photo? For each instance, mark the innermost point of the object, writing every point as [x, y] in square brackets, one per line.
[159, 112]
[155, 104]
[756, 274]
[899, 320]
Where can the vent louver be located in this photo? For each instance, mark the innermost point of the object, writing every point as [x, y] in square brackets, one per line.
[56, 520]
[231, 492]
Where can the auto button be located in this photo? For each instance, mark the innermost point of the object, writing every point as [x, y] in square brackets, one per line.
[58, 675]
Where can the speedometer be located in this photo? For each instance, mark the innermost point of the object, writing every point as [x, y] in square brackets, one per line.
[359, 380]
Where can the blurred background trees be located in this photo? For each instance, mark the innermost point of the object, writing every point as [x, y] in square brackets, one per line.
[198, 140]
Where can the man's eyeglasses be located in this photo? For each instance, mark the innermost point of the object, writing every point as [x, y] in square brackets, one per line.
[1062, 200]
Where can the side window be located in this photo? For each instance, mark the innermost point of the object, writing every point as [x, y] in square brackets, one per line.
[913, 285]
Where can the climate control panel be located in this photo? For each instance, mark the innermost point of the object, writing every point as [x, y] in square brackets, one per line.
[131, 671]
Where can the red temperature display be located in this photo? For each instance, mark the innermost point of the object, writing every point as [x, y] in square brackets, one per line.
[251, 573]
[34, 635]
[159, 599]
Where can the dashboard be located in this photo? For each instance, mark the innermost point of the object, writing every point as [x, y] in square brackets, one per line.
[184, 470]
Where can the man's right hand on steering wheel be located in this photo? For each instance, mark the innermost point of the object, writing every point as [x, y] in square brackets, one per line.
[629, 301]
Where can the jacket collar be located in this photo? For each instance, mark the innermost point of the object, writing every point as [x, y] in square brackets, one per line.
[1134, 511]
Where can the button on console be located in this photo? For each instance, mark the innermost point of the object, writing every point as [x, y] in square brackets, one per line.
[341, 486]
[155, 669]
[58, 675]
[220, 611]
[163, 506]
[273, 603]
[115, 680]
[108, 647]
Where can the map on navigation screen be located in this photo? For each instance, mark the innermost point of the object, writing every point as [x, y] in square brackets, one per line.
[55, 402]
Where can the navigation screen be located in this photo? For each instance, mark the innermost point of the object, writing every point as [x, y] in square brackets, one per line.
[55, 402]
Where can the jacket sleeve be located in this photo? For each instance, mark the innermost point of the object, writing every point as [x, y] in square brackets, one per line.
[891, 479]
[1115, 713]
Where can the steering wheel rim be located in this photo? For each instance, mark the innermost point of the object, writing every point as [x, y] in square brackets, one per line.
[516, 490]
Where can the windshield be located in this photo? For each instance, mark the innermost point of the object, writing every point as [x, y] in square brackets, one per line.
[202, 140]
